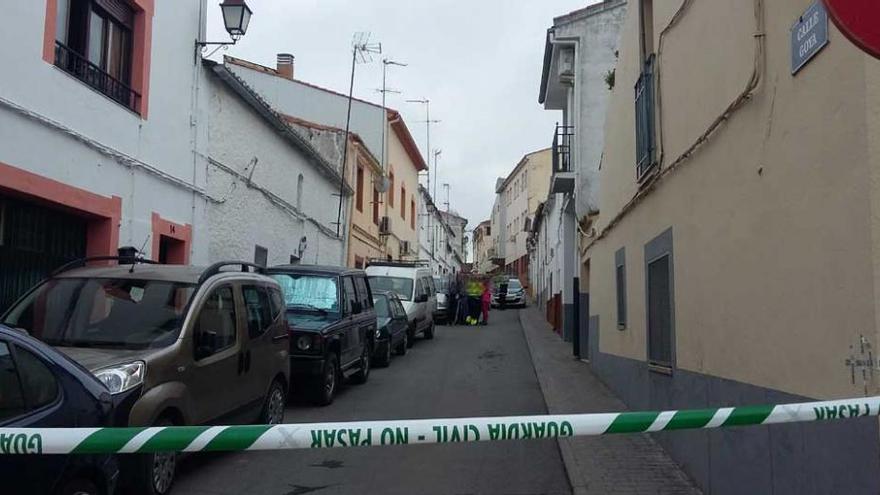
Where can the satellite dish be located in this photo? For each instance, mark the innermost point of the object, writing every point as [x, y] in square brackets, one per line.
[382, 184]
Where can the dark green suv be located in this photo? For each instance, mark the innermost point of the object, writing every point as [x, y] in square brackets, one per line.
[333, 326]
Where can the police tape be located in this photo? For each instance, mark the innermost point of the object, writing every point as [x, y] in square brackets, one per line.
[415, 431]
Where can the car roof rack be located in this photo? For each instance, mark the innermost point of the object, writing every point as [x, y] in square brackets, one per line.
[121, 260]
[400, 263]
[246, 267]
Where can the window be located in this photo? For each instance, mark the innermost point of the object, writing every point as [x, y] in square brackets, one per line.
[38, 383]
[382, 309]
[11, 396]
[359, 191]
[358, 262]
[412, 213]
[363, 291]
[403, 287]
[309, 292]
[488, 231]
[349, 295]
[391, 189]
[94, 44]
[644, 93]
[95, 312]
[660, 301]
[276, 298]
[261, 255]
[375, 206]
[403, 201]
[215, 326]
[620, 281]
[299, 191]
[259, 310]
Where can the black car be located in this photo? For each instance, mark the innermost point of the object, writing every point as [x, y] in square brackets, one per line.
[391, 326]
[42, 388]
[332, 324]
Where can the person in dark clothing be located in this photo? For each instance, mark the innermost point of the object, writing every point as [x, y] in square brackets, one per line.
[502, 294]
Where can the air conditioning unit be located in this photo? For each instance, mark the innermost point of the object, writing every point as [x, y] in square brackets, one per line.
[384, 226]
[404, 247]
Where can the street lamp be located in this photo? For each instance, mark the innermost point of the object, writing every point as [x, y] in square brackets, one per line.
[236, 17]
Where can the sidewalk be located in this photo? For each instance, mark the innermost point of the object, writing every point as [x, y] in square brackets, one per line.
[631, 463]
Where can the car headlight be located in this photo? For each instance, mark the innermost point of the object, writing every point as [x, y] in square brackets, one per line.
[304, 342]
[122, 377]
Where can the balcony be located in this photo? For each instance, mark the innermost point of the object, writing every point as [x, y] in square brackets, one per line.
[563, 179]
[645, 131]
[76, 65]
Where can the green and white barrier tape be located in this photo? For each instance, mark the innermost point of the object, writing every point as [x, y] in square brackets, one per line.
[410, 432]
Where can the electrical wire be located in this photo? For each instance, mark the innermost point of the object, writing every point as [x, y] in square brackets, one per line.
[741, 99]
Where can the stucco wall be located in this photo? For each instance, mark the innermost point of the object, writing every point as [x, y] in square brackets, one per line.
[162, 143]
[405, 173]
[772, 239]
[317, 105]
[238, 136]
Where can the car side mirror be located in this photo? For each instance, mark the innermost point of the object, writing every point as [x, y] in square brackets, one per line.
[206, 344]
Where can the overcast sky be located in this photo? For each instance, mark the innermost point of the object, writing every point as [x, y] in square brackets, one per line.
[479, 63]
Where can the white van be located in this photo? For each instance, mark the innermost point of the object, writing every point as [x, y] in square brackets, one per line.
[414, 285]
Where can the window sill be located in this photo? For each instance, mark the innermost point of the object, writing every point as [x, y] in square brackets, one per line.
[660, 369]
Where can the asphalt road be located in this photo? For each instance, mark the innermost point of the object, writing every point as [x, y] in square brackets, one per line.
[464, 371]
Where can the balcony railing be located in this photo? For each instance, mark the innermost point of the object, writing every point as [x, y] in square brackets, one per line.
[89, 73]
[562, 148]
[645, 132]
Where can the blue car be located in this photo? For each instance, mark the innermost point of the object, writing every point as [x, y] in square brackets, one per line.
[42, 388]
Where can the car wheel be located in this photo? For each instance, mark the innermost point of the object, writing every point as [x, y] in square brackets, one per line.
[401, 349]
[153, 474]
[411, 336]
[385, 359]
[363, 375]
[80, 486]
[325, 386]
[273, 407]
[429, 332]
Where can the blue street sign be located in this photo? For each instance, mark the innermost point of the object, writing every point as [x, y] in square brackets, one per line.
[808, 35]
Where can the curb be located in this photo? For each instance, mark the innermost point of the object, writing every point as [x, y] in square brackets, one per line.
[572, 470]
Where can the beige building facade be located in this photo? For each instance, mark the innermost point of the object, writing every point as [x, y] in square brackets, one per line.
[519, 195]
[402, 200]
[734, 256]
[482, 246]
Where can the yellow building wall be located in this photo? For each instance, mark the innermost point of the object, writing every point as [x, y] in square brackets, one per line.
[775, 267]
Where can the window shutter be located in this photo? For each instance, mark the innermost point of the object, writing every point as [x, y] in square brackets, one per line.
[120, 10]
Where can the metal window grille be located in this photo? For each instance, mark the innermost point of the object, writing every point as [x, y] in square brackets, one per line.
[92, 75]
[562, 137]
[645, 132]
[659, 313]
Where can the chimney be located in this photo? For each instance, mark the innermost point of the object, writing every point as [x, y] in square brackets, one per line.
[285, 65]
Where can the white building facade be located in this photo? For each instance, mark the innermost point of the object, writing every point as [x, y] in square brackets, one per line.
[275, 192]
[98, 147]
[578, 73]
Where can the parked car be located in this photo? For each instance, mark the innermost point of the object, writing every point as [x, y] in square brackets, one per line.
[42, 388]
[516, 294]
[413, 283]
[391, 326]
[333, 326]
[443, 312]
[175, 345]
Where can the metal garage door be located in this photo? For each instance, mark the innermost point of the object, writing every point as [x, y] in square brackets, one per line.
[34, 240]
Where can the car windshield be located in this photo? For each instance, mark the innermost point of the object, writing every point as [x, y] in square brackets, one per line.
[309, 293]
[514, 284]
[381, 305]
[441, 283]
[104, 312]
[403, 287]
